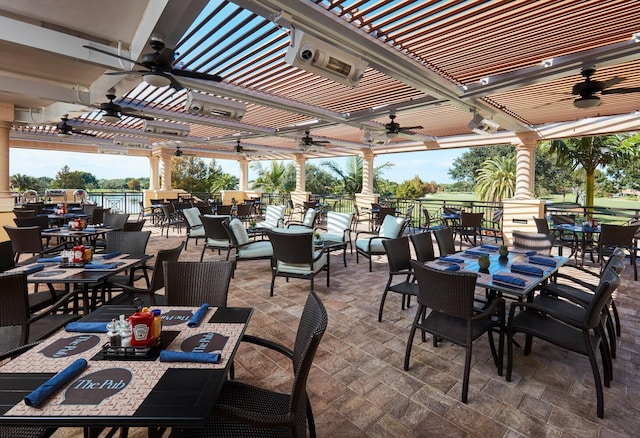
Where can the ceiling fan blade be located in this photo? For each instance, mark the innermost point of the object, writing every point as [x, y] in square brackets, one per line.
[104, 52]
[410, 128]
[613, 81]
[129, 72]
[622, 90]
[136, 115]
[196, 75]
[175, 84]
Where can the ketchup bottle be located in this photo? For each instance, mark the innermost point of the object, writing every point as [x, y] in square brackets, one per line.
[142, 326]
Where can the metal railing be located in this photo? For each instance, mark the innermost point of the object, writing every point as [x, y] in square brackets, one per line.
[118, 202]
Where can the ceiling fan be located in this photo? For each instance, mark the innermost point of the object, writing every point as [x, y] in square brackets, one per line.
[588, 88]
[393, 128]
[63, 129]
[241, 150]
[179, 153]
[159, 66]
[112, 112]
[307, 141]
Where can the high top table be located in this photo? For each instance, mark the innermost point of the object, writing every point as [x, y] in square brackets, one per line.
[132, 392]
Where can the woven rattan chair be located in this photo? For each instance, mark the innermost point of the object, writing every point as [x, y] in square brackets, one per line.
[244, 211]
[27, 240]
[244, 410]
[561, 239]
[444, 238]
[223, 210]
[195, 229]
[133, 243]
[307, 222]
[338, 229]
[134, 225]
[24, 212]
[294, 257]
[423, 246]
[541, 243]
[215, 235]
[148, 295]
[115, 221]
[399, 259]
[579, 332]
[196, 283]
[97, 216]
[618, 236]
[470, 228]
[33, 221]
[392, 227]
[450, 296]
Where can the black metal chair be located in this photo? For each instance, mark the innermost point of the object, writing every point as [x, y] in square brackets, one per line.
[399, 259]
[561, 240]
[492, 227]
[450, 296]
[134, 225]
[196, 283]
[444, 238]
[249, 411]
[579, 331]
[618, 236]
[431, 222]
[470, 228]
[294, 256]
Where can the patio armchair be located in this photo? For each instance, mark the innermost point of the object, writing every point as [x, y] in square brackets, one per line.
[492, 227]
[541, 243]
[561, 239]
[244, 211]
[244, 248]
[24, 212]
[444, 238]
[294, 256]
[170, 218]
[470, 227]
[338, 229]
[450, 297]
[307, 221]
[274, 217]
[134, 225]
[617, 236]
[431, 222]
[579, 331]
[249, 411]
[27, 240]
[224, 210]
[195, 229]
[133, 243]
[392, 227]
[115, 221]
[399, 259]
[196, 283]
[215, 235]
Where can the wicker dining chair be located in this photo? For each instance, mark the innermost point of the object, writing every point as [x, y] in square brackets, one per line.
[450, 296]
[249, 411]
[423, 246]
[371, 243]
[444, 238]
[134, 225]
[196, 283]
[618, 236]
[27, 240]
[215, 235]
[470, 228]
[399, 260]
[541, 243]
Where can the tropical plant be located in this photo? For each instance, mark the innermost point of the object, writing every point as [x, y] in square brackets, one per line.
[350, 178]
[496, 179]
[270, 180]
[589, 153]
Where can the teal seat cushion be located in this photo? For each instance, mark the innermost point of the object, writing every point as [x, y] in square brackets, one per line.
[303, 268]
[376, 245]
[259, 249]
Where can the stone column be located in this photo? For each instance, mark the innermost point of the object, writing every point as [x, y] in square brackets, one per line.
[367, 172]
[6, 200]
[300, 175]
[525, 165]
[244, 174]
[154, 183]
[165, 159]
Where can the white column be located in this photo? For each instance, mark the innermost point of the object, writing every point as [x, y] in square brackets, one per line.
[154, 183]
[300, 175]
[6, 120]
[165, 159]
[367, 172]
[525, 166]
[244, 174]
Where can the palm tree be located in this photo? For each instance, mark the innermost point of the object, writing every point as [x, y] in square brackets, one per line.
[496, 179]
[270, 180]
[589, 153]
[351, 176]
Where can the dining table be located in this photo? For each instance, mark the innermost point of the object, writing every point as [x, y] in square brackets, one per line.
[586, 235]
[87, 235]
[518, 274]
[126, 386]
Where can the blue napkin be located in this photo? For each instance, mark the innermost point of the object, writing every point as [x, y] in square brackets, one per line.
[476, 252]
[528, 270]
[542, 261]
[448, 266]
[86, 327]
[508, 279]
[90, 229]
[487, 246]
[44, 391]
[32, 269]
[194, 321]
[50, 230]
[530, 253]
[50, 260]
[452, 259]
[182, 356]
[101, 266]
[111, 255]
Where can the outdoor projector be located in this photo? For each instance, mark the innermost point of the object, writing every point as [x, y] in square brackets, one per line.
[315, 56]
[165, 128]
[204, 104]
[132, 142]
[480, 125]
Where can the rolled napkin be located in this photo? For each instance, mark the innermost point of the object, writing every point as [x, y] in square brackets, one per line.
[452, 259]
[542, 261]
[50, 260]
[86, 327]
[194, 321]
[193, 356]
[101, 266]
[492, 247]
[508, 279]
[530, 253]
[32, 269]
[476, 252]
[111, 255]
[44, 391]
[528, 270]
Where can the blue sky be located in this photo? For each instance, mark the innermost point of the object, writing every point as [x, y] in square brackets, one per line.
[429, 166]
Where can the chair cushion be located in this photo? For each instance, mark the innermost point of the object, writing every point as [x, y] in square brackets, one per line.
[239, 231]
[332, 237]
[261, 248]
[274, 216]
[391, 227]
[192, 215]
[337, 223]
[309, 218]
[303, 268]
[217, 243]
[196, 232]
[376, 245]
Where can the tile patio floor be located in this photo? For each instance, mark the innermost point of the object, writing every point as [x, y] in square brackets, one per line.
[358, 387]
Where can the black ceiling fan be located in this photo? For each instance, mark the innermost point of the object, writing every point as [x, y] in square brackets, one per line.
[393, 128]
[589, 87]
[112, 112]
[241, 150]
[307, 141]
[159, 66]
[63, 129]
[178, 152]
